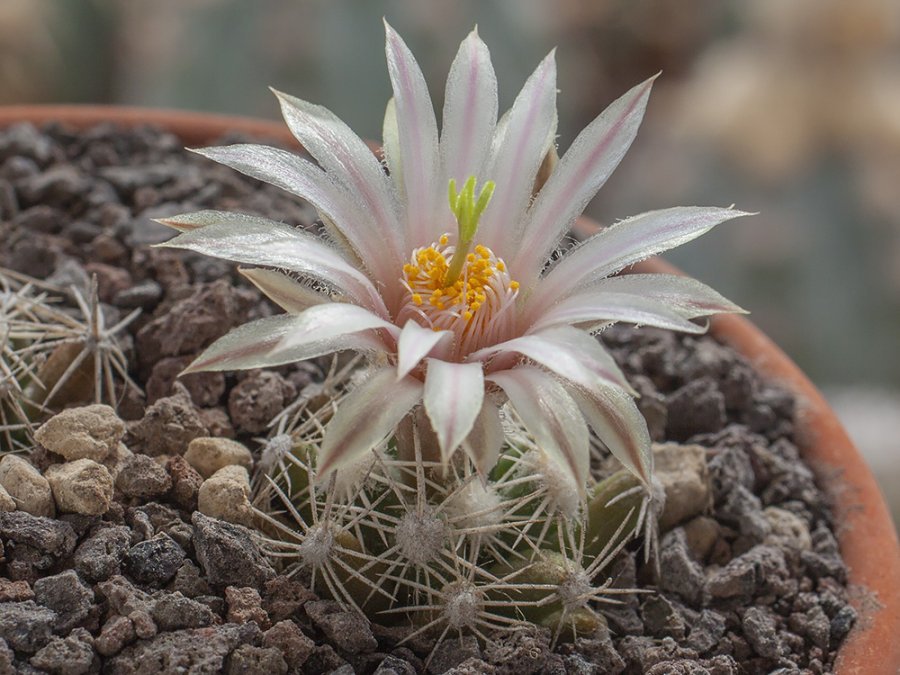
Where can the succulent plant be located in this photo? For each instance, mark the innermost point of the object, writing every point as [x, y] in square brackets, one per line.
[440, 544]
[83, 359]
[49, 357]
[18, 329]
[448, 478]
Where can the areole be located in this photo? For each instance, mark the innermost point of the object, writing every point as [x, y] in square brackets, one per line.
[864, 529]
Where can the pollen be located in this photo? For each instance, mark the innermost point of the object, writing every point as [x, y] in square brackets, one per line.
[477, 307]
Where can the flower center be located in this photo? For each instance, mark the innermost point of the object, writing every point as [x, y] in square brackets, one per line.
[469, 293]
[477, 307]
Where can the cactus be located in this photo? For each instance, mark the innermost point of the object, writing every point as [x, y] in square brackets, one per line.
[18, 330]
[50, 358]
[440, 546]
[82, 357]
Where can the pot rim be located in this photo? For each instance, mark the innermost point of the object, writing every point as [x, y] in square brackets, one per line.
[863, 525]
[190, 126]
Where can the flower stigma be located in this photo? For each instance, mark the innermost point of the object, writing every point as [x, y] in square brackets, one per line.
[456, 288]
[467, 211]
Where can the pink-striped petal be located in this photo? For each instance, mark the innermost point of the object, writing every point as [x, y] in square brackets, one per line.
[569, 352]
[257, 241]
[350, 162]
[453, 396]
[524, 137]
[186, 222]
[580, 173]
[292, 296]
[335, 202]
[687, 296]
[289, 172]
[470, 111]
[418, 142]
[617, 422]
[415, 343]
[390, 147]
[485, 440]
[331, 320]
[550, 416]
[594, 308]
[363, 420]
[255, 345]
[623, 244]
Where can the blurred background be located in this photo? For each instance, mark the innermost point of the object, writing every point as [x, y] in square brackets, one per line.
[791, 109]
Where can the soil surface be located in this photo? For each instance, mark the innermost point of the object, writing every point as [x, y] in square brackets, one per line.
[751, 579]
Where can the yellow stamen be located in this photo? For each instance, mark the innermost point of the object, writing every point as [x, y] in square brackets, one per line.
[456, 306]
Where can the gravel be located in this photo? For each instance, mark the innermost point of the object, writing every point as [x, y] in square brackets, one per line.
[50, 536]
[69, 597]
[155, 561]
[199, 650]
[99, 556]
[228, 554]
[26, 626]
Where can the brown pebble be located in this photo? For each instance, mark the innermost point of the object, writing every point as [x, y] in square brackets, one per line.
[168, 425]
[110, 279]
[116, 633]
[108, 249]
[284, 597]
[217, 421]
[287, 637]
[205, 389]
[260, 396]
[144, 625]
[186, 483]
[15, 591]
[245, 604]
[142, 477]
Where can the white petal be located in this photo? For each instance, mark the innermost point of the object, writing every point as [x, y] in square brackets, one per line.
[390, 139]
[626, 243]
[570, 353]
[453, 396]
[526, 134]
[337, 204]
[616, 420]
[551, 416]
[290, 295]
[484, 442]
[580, 173]
[255, 345]
[349, 161]
[185, 222]
[415, 343]
[593, 308]
[257, 241]
[687, 296]
[324, 322]
[470, 111]
[368, 414]
[418, 141]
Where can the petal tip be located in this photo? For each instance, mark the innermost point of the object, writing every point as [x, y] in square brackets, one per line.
[389, 32]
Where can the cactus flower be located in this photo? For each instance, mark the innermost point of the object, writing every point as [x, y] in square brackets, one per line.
[442, 268]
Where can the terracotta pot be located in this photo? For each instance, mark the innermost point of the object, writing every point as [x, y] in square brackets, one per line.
[864, 529]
